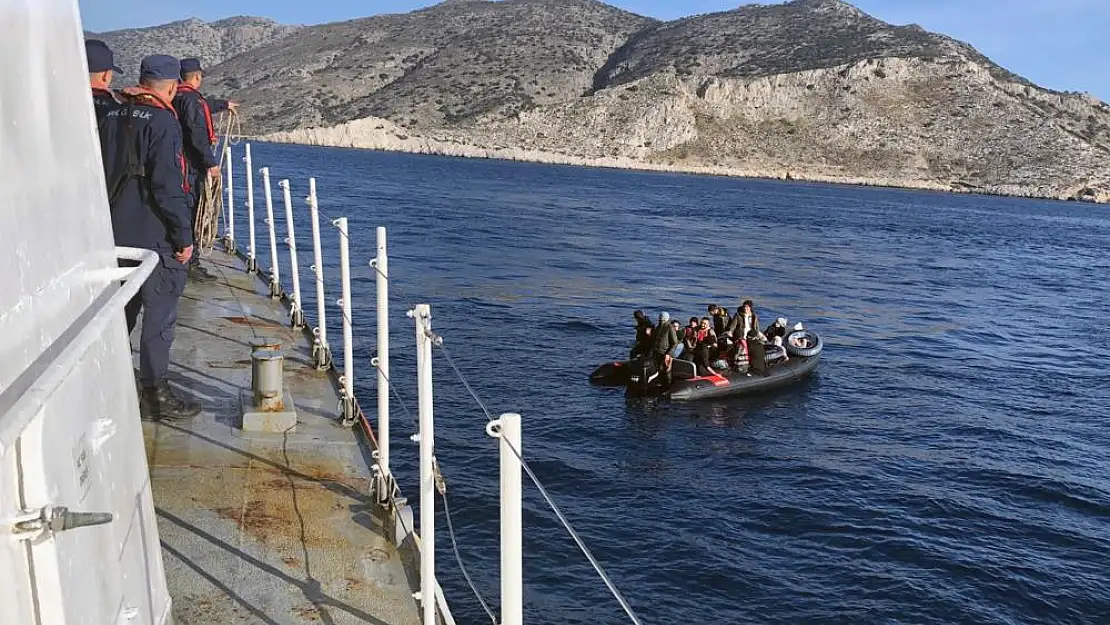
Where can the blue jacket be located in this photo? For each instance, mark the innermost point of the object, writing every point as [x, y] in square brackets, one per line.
[140, 142]
[103, 101]
[197, 128]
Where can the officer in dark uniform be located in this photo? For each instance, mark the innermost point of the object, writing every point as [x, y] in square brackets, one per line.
[102, 67]
[199, 135]
[143, 165]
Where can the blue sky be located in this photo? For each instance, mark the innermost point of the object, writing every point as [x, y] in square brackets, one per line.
[1055, 43]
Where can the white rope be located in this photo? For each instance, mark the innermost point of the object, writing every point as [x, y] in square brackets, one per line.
[543, 491]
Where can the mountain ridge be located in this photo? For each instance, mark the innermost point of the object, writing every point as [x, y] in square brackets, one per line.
[212, 42]
[809, 89]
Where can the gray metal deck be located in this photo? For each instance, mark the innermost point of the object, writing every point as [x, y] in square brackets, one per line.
[265, 528]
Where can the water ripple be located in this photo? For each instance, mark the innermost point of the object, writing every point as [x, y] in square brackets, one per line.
[947, 464]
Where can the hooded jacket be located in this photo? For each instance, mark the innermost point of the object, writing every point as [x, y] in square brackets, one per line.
[665, 336]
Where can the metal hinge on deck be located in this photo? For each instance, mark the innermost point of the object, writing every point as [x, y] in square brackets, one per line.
[33, 524]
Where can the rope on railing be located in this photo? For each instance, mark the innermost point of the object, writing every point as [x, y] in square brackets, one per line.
[210, 206]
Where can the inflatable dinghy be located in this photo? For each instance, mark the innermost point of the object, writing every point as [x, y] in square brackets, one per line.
[642, 377]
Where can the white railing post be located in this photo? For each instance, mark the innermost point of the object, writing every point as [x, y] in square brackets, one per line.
[381, 267]
[348, 379]
[296, 313]
[252, 254]
[321, 352]
[229, 233]
[422, 314]
[512, 593]
[275, 275]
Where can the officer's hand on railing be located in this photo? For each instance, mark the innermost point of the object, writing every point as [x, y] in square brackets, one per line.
[214, 172]
[184, 256]
[232, 106]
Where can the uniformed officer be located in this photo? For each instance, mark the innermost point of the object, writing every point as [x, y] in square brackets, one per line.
[102, 67]
[199, 135]
[144, 168]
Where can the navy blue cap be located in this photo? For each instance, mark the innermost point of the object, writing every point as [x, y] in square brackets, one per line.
[190, 65]
[160, 67]
[100, 57]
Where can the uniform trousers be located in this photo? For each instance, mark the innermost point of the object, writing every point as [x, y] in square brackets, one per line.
[158, 300]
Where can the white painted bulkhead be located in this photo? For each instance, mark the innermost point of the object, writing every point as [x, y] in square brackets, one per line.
[70, 434]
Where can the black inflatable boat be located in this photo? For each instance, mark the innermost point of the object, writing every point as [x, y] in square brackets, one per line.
[641, 377]
[736, 383]
[612, 373]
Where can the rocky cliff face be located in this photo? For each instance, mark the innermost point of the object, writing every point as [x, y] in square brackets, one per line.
[811, 89]
[442, 67]
[210, 42]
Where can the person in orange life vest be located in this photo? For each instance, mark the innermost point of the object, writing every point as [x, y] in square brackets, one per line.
[140, 143]
[199, 135]
[705, 341]
[687, 338]
[102, 67]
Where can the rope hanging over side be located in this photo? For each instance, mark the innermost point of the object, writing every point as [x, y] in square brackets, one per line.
[210, 208]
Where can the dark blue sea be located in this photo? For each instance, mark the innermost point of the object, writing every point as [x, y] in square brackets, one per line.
[948, 463]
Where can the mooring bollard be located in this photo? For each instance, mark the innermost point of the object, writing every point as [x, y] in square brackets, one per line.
[267, 369]
[258, 344]
[267, 406]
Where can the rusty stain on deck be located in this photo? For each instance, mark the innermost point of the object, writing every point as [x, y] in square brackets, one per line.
[307, 613]
[253, 321]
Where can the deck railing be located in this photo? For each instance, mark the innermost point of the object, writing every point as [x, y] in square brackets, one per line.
[507, 429]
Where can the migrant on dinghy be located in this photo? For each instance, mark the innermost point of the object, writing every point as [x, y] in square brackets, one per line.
[702, 365]
[616, 373]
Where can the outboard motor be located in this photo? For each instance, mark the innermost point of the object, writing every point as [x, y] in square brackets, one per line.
[643, 377]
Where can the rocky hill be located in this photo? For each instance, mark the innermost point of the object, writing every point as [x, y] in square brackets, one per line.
[211, 42]
[810, 89]
[442, 67]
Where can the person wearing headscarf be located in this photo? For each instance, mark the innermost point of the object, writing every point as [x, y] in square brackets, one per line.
[776, 329]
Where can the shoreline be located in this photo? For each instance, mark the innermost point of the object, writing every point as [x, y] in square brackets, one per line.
[318, 137]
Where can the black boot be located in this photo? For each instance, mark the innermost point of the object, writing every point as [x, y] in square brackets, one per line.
[200, 274]
[158, 403]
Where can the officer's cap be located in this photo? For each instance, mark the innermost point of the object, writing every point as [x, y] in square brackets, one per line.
[100, 57]
[160, 67]
[190, 65]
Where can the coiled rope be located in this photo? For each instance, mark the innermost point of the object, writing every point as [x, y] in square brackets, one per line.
[210, 208]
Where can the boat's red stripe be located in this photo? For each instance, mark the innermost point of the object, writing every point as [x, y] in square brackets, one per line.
[717, 380]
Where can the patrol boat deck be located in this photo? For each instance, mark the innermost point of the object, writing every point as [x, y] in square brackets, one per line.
[266, 528]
